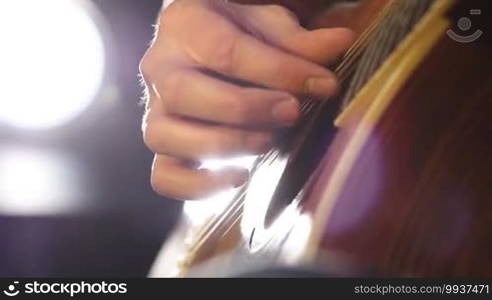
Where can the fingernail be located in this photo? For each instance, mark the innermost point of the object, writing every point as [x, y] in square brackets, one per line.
[321, 86]
[286, 111]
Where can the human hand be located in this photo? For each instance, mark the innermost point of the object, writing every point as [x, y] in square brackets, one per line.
[197, 109]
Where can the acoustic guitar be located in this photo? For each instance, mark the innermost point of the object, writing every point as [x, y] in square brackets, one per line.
[392, 177]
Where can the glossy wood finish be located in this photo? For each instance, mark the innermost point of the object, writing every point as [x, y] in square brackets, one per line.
[419, 200]
[354, 15]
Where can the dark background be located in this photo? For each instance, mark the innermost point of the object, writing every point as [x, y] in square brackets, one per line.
[121, 234]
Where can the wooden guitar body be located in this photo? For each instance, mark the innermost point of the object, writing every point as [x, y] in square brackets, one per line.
[418, 199]
[402, 187]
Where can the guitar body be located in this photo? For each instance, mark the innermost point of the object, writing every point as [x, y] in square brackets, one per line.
[403, 186]
[417, 201]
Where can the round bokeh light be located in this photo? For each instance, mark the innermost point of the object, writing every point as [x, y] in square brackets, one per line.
[52, 59]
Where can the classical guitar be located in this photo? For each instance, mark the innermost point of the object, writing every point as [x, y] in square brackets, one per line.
[393, 175]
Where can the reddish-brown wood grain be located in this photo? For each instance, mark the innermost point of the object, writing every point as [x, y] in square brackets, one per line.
[419, 200]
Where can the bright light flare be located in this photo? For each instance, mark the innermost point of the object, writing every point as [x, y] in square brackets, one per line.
[51, 61]
[198, 212]
[37, 183]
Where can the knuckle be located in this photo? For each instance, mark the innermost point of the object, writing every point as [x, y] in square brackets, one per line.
[281, 11]
[225, 56]
[218, 48]
[147, 65]
[215, 45]
[175, 19]
[150, 138]
[159, 184]
[174, 12]
[170, 89]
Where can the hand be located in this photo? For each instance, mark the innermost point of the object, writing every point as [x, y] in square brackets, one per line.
[196, 109]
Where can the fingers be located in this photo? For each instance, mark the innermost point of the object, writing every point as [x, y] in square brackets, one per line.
[321, 46]
[195, 95]
[211, 41]
[194, 115]
[279, 27]
[195, 141]
[170, 177]
[178, 141]
[254, 61]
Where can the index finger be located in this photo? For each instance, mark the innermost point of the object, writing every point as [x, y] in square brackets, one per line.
[252, 60]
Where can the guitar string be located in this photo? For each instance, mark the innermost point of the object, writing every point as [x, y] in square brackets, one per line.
[406, 24]
[312, 118]
[390, 43]
[213, 225]
[360, 74]
[392, 31]
[342, 71]
[400, 9]
[225, 215]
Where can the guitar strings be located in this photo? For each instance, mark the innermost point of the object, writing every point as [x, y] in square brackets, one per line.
[391, 31]
[379, 48]
[342, 71]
